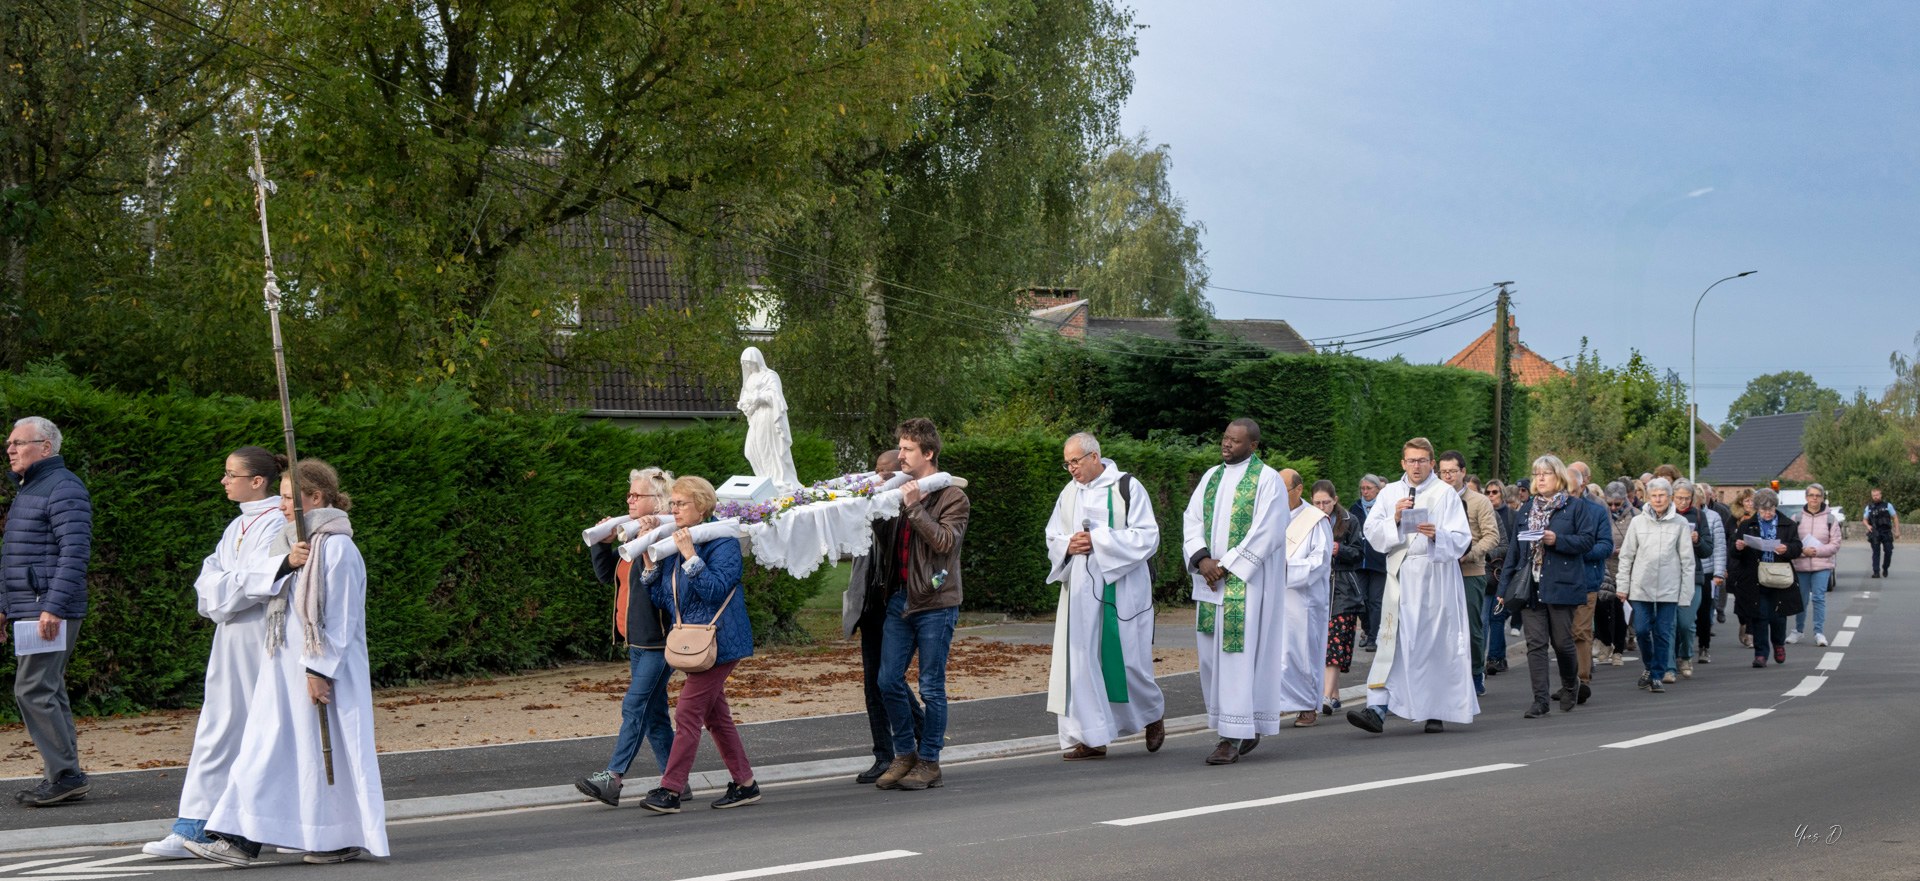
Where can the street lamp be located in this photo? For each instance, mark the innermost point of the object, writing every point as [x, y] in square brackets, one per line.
[1693, 386]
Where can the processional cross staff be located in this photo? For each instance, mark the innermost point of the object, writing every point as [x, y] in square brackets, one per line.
[261, 187]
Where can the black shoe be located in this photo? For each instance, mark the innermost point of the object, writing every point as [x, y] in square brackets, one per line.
[1539, 709]
[1367, 719]
[1493, 669]
[1503, 664]
[1721, 614]
[1646, 680]
[1586, 691]
[740, 796]
[872, 774]
[1246, 746]
[1657, 687]
[1434, 726]
[662, 801]
[70, 787]
[1369, 647]
[1567, 699]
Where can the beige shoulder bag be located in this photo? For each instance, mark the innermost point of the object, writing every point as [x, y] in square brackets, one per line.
[693, 648]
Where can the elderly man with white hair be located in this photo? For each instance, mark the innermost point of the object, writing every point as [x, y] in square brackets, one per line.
[1101, 537]
[1657, 577]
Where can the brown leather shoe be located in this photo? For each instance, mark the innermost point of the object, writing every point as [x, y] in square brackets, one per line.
[925, 775]
[1082, 752]
[1225, 754]
[901, 767]
[1306, 719]
[1156, 734]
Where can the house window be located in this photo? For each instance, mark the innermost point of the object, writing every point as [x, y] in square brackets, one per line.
[758, 316]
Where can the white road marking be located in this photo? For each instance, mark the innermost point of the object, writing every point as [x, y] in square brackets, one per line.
[1866, 594]
[85, 876]
[1304, 796]
[118, 864]
[1843, 639]
[805, 867]
[1735, 719]
[21, 867]
[1852, 621]
[1830, 661]
[1807, 686]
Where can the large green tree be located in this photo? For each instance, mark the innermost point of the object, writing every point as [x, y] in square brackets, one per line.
[1620, 420]
[1137, 253]
[1789, 391]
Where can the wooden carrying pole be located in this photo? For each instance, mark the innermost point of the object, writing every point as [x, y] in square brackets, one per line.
[261, 186]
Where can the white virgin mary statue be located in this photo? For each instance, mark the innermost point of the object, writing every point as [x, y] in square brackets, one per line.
[769, 437]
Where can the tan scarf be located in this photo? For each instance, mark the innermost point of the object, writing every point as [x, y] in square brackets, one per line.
[309, 588]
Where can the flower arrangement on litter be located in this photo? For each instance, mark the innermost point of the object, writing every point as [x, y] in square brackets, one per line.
[846, 486]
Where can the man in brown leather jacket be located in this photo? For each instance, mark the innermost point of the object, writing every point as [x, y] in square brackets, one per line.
[916, 562]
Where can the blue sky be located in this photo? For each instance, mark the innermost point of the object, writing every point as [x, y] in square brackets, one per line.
[1611, 159]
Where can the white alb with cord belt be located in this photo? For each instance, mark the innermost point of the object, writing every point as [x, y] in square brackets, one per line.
[245, 558]
[1101, 683]
[1423, 668]
[1304, 609]
[278, 793]
[1239, 680]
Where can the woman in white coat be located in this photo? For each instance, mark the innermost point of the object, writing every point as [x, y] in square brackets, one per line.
[1657, 576]
[316, 649]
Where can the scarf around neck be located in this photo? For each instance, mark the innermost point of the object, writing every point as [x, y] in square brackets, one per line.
[309, 588]
[1537, 521]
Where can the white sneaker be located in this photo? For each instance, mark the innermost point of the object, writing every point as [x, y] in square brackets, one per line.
[172, 847]
[1819, 638]
[1793, 637]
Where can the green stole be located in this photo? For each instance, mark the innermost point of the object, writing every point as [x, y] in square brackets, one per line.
[1234, 606]
[1113, 666]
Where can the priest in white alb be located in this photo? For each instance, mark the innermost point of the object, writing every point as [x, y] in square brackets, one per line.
[1422, 669]
[1235, 542]
[285, 788]
[1100, 539]
[244, 557]
[1304, 605]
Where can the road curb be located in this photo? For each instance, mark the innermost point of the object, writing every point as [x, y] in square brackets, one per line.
[14, 842]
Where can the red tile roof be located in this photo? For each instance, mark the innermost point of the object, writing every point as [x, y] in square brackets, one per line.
[1527, 365]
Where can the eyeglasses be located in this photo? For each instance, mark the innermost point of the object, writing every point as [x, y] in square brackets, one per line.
[676, 505]
[16, 444]
[1075, 461]
[634, 497]
[229, 475]
[1420, 461]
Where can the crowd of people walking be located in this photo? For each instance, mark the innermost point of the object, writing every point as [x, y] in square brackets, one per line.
[1420, 579]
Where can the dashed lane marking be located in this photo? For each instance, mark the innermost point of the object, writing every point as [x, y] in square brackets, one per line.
[1807, 686]
[805, 867]
[1843, 639]
[1830, 661]
[1735, 719]
[1304, 796]
[1853, 621]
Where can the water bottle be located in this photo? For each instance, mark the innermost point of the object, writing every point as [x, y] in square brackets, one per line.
[939, 578]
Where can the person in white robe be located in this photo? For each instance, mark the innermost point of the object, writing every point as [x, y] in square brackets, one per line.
[769, 435]
[245, 556]
[1100, 539]
[279, 792]
[1305, 604]
[1235, 532]
[1421, 669]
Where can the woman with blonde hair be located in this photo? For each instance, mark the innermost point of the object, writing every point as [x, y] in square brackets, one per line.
[1545, 577]
[700, 583]
[643, 712]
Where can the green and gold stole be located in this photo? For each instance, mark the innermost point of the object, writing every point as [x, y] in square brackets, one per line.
[1234, 606]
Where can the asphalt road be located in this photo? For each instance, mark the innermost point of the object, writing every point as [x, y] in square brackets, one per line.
[1820, 783]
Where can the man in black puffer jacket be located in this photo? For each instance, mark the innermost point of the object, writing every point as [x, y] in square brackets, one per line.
[43, 579]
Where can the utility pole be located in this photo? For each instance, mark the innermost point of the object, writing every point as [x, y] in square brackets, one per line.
[1502, 375]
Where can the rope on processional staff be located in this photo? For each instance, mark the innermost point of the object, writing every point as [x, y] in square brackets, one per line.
[271, 293]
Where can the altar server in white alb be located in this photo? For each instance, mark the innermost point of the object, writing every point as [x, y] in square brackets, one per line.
[1303, 644]
[316, 654]
[1235, 546]
[1100, 539]
[1422, 669]
[244, 558]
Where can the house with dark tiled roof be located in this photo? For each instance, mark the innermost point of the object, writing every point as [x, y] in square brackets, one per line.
[1063, 311]
[1763, 448]
[645, 276]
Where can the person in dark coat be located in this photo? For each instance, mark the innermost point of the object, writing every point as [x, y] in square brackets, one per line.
[1547, 577]
[43, 575]
[1759, 539]
[1372, 571]
[1348, 596]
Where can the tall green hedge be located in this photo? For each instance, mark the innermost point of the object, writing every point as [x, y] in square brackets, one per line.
[1013, 482]
[1352, 414]
[469, 522]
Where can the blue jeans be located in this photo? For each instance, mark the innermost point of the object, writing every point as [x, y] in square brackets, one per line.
[1496, 629]
[930, 634]
[1684, 619]
[643, 712]
[1813, 598]
[1653, 629]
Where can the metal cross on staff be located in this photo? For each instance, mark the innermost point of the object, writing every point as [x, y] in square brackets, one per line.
[261, 187]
